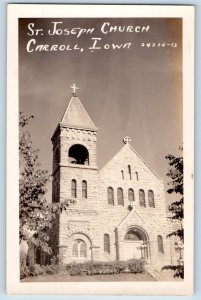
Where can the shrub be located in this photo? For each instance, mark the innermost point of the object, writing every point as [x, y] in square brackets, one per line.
[49, 269]
[104, 268]
[24, 271]
[54, 266]
[36, 270]
[136, 266]
[87, 268]
[178, 269]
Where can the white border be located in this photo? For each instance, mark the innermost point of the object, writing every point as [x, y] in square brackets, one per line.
[15, 11]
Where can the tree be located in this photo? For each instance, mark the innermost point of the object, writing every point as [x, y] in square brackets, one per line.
[33, 213]
[175, 172]
[176, 208]
[36, 214]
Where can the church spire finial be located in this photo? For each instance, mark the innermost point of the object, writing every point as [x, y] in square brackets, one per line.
[74, 88]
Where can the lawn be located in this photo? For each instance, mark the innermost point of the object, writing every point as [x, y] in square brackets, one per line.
[68, 278]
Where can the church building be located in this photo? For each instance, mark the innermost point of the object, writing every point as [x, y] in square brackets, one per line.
[119, 211]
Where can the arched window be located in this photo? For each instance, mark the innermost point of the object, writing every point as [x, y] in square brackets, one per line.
[129, 172]
[160, 244]
[120, 197]
[110, 195]
[84, 189]
[79, 248]
[83, 249]
[122, 174]
[75, 249]
[78, 154]
[74, 188]
[136, 174]
[106, 243]
[131, 195]
[151, 198]
[142, 197]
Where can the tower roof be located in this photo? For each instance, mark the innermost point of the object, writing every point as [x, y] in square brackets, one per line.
[76, 116]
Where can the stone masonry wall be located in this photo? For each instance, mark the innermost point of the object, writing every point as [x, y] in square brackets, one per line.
[71, 136]
[152, 220]
[89, 219]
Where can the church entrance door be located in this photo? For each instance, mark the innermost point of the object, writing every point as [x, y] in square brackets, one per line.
[135, 244]
[132, 250]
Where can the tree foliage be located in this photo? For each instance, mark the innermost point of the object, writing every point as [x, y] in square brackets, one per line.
[178, 270]
[176, 208]
[36, 214]
[175, 173]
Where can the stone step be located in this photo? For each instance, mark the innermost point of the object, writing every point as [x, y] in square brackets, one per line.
[164, 275]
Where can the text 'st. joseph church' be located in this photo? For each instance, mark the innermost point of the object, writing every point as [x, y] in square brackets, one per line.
[119, 211]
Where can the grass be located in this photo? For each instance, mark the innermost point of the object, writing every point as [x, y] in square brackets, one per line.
[68, 278]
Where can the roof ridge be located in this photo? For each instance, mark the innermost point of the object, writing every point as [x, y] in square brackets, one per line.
[144, 162]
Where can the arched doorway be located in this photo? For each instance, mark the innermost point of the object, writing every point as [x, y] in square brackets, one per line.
[135, 244]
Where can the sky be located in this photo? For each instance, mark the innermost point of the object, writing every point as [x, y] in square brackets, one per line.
[134, 91]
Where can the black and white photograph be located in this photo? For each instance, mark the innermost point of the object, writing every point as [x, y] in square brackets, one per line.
[103, 113]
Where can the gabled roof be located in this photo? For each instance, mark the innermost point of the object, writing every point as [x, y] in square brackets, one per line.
[123, 151]
[135, 212]
[76, 116]
[144, 162]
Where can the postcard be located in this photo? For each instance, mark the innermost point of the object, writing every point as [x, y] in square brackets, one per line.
[100, 143]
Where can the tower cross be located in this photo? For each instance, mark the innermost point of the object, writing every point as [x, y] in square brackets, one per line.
[127, 140]
[74, 88]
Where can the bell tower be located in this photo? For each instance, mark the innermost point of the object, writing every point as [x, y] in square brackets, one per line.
[74, 156]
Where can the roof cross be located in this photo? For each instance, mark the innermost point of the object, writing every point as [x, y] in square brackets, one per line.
[74, 88]
[126, 140]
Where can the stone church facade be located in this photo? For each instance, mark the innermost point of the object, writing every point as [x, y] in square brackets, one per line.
[119, 211]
